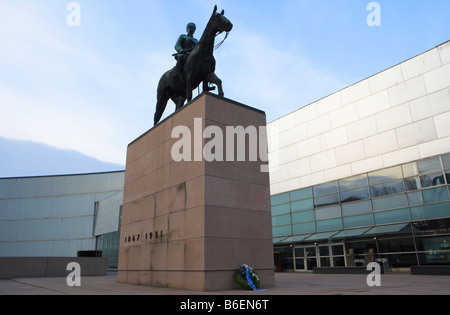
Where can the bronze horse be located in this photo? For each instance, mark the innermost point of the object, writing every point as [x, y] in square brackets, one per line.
[199, 67]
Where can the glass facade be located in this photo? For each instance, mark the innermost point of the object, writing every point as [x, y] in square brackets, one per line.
[108, 244]
[401, 214]
[53, 216]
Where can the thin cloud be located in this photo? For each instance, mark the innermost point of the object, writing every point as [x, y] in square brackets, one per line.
[274, 80]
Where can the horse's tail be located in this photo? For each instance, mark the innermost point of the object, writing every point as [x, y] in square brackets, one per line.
[162, 96]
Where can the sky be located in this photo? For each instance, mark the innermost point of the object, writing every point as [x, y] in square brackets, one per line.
[84, 78]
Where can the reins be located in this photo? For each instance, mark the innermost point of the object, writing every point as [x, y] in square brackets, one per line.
[220, 44]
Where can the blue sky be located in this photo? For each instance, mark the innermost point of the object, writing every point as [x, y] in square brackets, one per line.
[92, 88]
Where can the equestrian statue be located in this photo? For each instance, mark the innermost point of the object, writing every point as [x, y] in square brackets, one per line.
[195, 64]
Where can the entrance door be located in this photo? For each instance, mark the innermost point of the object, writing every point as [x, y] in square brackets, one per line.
[305, 257]
[311, 257]
[326, 255]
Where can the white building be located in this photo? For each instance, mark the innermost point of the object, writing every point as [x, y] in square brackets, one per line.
[392, 121]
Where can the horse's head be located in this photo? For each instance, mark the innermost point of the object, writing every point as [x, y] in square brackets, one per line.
[222, 24]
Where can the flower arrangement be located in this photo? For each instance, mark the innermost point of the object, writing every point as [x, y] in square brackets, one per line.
[247, 278]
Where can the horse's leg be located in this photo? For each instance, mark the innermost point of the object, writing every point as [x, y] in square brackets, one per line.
[188, 89]
[214, 79]
[179, 102]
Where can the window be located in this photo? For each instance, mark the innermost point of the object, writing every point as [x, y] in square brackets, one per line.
[281, 209]
[302, 205]
[356, 194]
[281, 220]
[435, 195]
[387, 189]
[415, 198]
[301, 194]
[356, 207]
[358, 220]
[391, 202]
[385, 175]
[410, 170]
[434, 179]
[429, 165]
[392, 216]
[433, 211]
[353, 182]
[284, 230]
[279, 199]
[329, 225]
[326, 200]
[412, 183]
[446, 161]
[303, 228]
[328, 212]
[304, 216]
[327, 188]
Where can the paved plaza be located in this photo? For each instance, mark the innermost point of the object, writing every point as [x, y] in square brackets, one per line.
[393, 283]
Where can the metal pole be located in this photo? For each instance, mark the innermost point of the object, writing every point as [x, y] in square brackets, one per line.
[415, 244]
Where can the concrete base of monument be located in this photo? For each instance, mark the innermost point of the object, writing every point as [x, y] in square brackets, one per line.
[189, 223]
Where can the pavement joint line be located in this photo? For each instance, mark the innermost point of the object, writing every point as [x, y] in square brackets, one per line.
[37, 286]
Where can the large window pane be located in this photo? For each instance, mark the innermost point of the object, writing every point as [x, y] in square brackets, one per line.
[327, 188]
[392, 216]
[281, 220]
[446, 161]
[387, 189]
[434, 179]
[412, 183]
[326, 200]
[432, 227]
[356, 207]
[281, 231]
[415, 198]
[429, 165]
[303, 228]
[299, 252]
[328, 212]
[358, 220]
[329, 225]
[353, 182]
[324, 251]
[301, 194]
[396, 245]
[385, 175]
[435, 244]
[279, 199]
[304, 216]
[337, 250]
[390, 202]
[302, 205]
[356, 194]
[435, 194]
[281, 209]
[433, 211]
[410, 169]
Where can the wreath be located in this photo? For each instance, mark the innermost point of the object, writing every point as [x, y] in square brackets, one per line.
[250, 282]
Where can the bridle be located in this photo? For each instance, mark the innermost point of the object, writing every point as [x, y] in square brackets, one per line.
[220, 44]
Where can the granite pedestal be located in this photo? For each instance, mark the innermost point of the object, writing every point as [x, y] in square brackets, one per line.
[189, 222]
